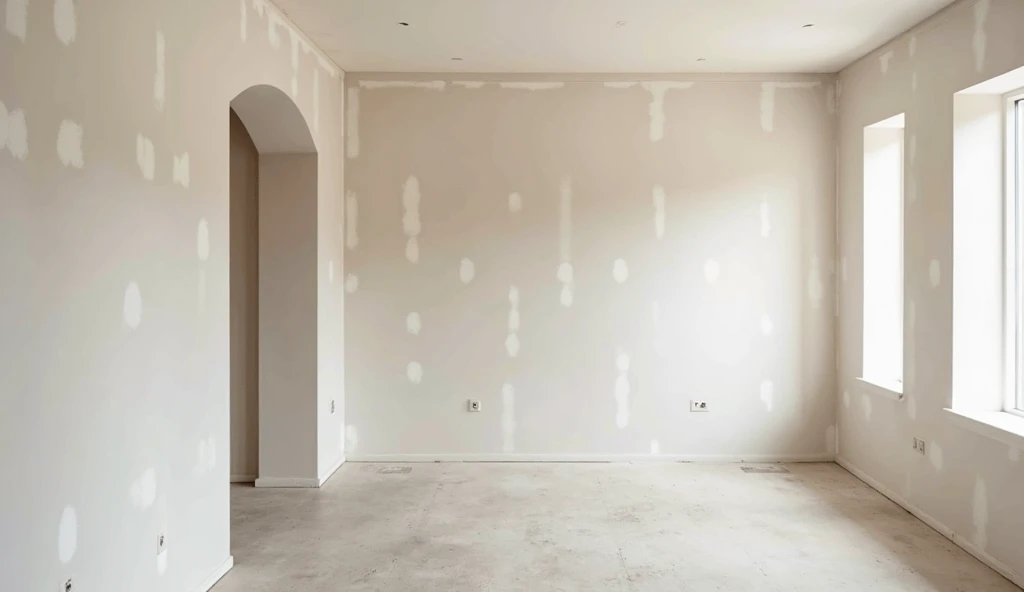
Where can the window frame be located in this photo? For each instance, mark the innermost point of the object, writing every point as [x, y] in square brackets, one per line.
[1014, 251]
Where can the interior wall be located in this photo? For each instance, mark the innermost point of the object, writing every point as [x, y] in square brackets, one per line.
[244, 304]
[114, 249]
[585, 258]
[966, 484]
[288, 316]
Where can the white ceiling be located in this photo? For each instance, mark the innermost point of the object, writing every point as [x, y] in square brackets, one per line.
[582, 36]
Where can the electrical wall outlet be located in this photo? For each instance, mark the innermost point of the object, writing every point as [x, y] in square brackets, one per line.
[474, 406]
[698, 406]
[919, 445]
[161, 543]
[66, 586]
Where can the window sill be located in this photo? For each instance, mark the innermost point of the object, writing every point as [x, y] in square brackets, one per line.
[998, 425]
[889, 390]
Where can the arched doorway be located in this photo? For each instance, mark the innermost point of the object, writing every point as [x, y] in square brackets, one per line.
[273, 257]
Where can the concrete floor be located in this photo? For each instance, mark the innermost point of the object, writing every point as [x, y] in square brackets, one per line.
[506, 526]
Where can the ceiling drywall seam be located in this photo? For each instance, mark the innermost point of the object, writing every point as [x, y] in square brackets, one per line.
[325, 60]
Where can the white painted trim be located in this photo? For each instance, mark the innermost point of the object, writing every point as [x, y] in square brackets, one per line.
[892, 391]
[330, 472]
[998, 425]
[596, 458]
[215, 577]
[243, 478]
[958, 539]
[288, 482]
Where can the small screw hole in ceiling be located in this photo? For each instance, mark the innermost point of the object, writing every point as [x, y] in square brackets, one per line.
[808, 25]
[702, 59]
[456, 59]
[403, 24]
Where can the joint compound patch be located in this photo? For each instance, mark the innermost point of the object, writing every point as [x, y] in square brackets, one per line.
[351, 220]
[411, 217]
[414, 371]
[470, 84]
[815, 288]
[884, 60]
[768, 92]
[515, 202]
[622, 389]
[351, 283]
[866, 404]
[768, 394]
[656, 110]
[623, 84]
[145, 157]
[508, 418]
[913, 81]
[17, 18]
[980, 41]
[620, 271]
[413, 323]
[143, 490]
[69, 144]
[203, 240]
[935, 273]
[467, 271]
[316, 100]
[182, 174]
[512, 345]
[67, 535]
[352, 123]
[17, 134]
[160, 78]
[565, 271]
[132, 309]
[532, 85]
[846, 399]
[64, 21]
[658, 195]
[438, 85]
[513, 308]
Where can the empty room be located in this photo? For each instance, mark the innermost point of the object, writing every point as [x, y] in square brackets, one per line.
[512, 295]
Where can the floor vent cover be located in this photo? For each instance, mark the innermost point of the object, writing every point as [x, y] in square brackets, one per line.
[772, 469]
[394, 470]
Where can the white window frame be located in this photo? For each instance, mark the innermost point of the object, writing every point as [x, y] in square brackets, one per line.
[1014, 249]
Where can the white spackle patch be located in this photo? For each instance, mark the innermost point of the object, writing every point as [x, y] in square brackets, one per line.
[842, 269]
[515, 202]
[767, 326]
[766, 221]
[411, 217]
[17, 134]
[69, 144]
[512, 345]
[3, 126]
[508, 418]
[712, 270]
[624, 84]
[145, 156]
[64, 21]
[658, 195]
[532, 85]
[1014, 454]
[182, 172]
[206, 456]
[427, 84]
[935, 273]
[160, 78]
[913, 81]
[132, 311]
[815, 288]
[980, 41]
[143, 489]
[245, 20]
[471, 84]
[467, 271]
[67, 535]
[351, 438]
[412, 250]
[413, 324]
[620, 271]
[622, 390]
[655, 447]
[415, 372]
[884, 60]
[657, 106]
[912, 46]
[273, 21]
[846, 399]
[768, 394]
[327, 66]
[565, 271]
[203, 240]
[513, 308]
[980, 514]
[831, 440]
[866, 404]
[316, 100]
[565, 297]
[294, 37]
[351, 283]
[330, 272]
[17, 18]
[352, 123]
[935, 455]
[351, 220]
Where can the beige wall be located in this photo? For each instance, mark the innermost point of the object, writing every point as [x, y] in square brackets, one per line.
[245, 314]
[966, 484]
[717, 195]
[114, 316]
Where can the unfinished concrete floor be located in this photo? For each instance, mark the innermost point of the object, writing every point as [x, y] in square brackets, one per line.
[691, 527]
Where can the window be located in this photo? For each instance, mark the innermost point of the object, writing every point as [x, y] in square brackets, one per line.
[1015, 244]
[883, 255]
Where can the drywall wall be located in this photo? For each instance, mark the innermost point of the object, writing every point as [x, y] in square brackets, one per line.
[585, 258]
[114, 254]
[965, 484]
[244, 304]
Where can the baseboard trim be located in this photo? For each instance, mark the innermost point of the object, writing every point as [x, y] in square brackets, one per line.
[215, 577]
[330, 472]
[243, 478]
[958, 539]
[287, 482]
[591, 458]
